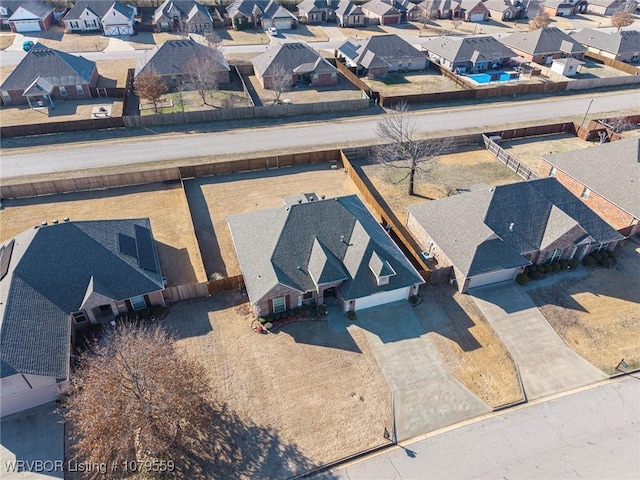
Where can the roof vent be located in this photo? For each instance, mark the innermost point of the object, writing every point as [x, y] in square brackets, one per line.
[44, 224]
[511, 225]
[322, 197]
[54, 221]
[299, 200]
[66, 219]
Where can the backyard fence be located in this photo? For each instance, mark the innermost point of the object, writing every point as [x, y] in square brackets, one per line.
[509, 160]
[611, 62]
[203, 289]
[354, 79]
[536, 131]
[58, 127]
[249, 92]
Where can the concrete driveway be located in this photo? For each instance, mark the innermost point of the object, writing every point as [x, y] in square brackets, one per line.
[32, 444]
[547, 366]
[426, 397]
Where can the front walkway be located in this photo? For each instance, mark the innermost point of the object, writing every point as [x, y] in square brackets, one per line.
[546, 365]
[425, 396]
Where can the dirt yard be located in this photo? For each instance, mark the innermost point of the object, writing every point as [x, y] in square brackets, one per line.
[113, 73]
[6, 40]
[315, 395]
[462, 169]
[242, 37]
[426, 81]
[166, 206]
[344, 90]
[63, 111]
[530, 150]
[213, 199]
[56, 38]
[599, 316]
[469, 347]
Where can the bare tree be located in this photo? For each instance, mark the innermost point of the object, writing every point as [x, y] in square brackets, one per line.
[149, 86]
[135, 398]
[202, 73]
[456, 22]
[279, 81]
[402, 151]
[622, 19]
[619, 124]
[541, 20]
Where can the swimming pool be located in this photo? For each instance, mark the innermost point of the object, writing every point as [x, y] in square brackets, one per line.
[482, 78]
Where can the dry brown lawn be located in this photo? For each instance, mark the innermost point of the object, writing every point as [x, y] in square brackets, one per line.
[599, 316]
[6, 40]
[56, 38]
[64, 111]
[243, 37]
[468, 345]
[462, 169]
[344, 90]
[308, 33]
[213, 199]
[426, 81]
[166, 206]
[113, 73]
[319, 393]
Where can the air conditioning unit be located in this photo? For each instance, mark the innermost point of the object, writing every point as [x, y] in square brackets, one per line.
[427, 256]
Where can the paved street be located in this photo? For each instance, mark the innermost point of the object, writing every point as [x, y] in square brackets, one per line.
[592, 434]
[327, 134]
[547, 366]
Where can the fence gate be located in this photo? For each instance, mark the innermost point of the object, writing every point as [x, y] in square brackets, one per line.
[102, 92]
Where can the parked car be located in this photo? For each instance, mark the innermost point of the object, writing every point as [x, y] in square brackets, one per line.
[273, 31]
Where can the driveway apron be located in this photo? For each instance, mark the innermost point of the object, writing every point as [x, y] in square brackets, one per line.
[425, 396]
[546, 365]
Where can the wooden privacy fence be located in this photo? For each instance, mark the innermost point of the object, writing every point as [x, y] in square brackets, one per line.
[611, 62]
[538, 130]
[203, 289]
[58, 127]
[509, 160]
[354, 79]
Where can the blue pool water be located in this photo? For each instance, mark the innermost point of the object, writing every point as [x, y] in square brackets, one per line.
[493, 77]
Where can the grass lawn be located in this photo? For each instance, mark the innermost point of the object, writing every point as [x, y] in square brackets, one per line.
[599, 316]
[192, 101]
[425, 81]
[243, 37]
[64, 111]
[113, 73]
[213, 199]
[462, 169]
[56, 38]
[6, 40]
[307, 33]
[467, 344]
[319, 393]
[166, 206]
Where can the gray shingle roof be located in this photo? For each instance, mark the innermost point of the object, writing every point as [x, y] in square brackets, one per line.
[389, 48]
[379, 7]
[626, 41]
[291, 55]
[10, 6]
[466, 49]
[37, 8]
[173, 57]
[51, 271]
[315, 241]
[346, 7]
[611, 170]
[475, 229]
[311, 6]
[543, 40]
[58, 68]
[187, 9]
[99, 7]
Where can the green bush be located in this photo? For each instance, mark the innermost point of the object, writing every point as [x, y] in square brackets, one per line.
[548, 268]
[604, 254]
[291, 313]
[540, 268]
[612, 254]
[298, 310]
[606, 262]
[262, 320]
[573, 264]
[145, 314]
[556, 266]
[351, 315]
[522, 279]
[322, 310]
[277, 316]
[563, 264]
[597, 256]
[157, 310]
[530, 269]
[413, 299]
[305, 306]
[536, 275]
[588, 261]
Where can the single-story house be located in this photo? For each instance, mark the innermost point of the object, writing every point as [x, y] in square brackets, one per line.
[260, 13]
[564, 8]
[544, 45]
[490, 234]
[409, 11]
[623, 45]
[377, 55]
[113, 18]
[605, 178]
[349, 14]
[473, 11]
[45, 75]
[317, 11]
[58, 279]
[312, 248]
[7, 7]
[276, 16]
[378, 12]
[506, 10]
[441, 9]
[185, 16]
[31, 16]
[605, 7]
[296, 61]
[173, 60]
[468, 54]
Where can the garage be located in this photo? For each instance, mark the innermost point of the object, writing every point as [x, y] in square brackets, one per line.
[391, 20]
[282, 23]
[477, 17]
[118, 30]
[492, 277]
[381, 298]
[22, 26]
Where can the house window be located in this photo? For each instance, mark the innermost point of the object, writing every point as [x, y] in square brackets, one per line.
[601, 248]
[553, 171]
[585, 193]
[279, 305]
[555, 255]
[63, 91]
[79, 90]
[307, 297]
[5, 96]
[138, 303]
[174, 79]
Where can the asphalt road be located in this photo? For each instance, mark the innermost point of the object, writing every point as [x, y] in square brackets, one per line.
[593, 434]
[337, 132]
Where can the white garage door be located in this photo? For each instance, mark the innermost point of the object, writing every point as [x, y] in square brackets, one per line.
[117, 31]
[382, 298]
[282, 24]
[27, 26]
[493, 277]
[31, 398]
[477, 17]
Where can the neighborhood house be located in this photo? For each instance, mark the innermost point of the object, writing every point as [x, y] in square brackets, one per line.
[184, 16]
[57, 279]
[544, 45]
[28, 16]
[312, 248]
[468, 54]
[623, 45]
[113, 18]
